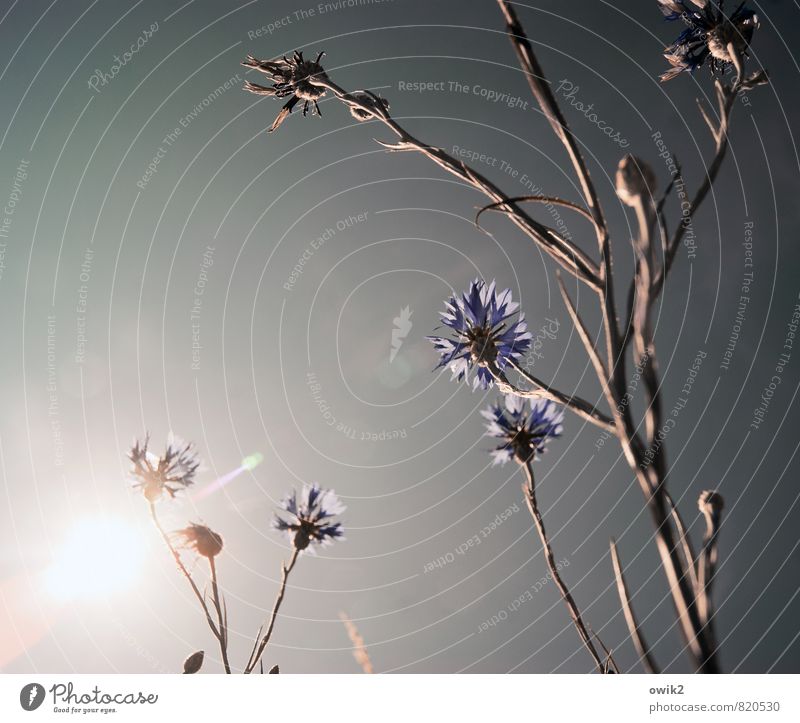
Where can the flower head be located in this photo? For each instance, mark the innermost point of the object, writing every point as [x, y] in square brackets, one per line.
[524, 430]
[203, 540]
[484, 334]
[708, 34]
[290, 77]
[310, 517]
[170, 473]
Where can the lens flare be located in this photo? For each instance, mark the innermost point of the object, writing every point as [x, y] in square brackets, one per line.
[248, 463]
[252, 461]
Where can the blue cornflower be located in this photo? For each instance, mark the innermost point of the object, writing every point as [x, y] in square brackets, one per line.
[310, 517]
[708, 34]
[484, 333]
[172, 472]
[523, 429]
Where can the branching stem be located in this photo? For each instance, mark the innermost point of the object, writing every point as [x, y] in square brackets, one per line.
[286, 568]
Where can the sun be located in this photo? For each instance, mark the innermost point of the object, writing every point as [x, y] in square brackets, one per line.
[98, 558]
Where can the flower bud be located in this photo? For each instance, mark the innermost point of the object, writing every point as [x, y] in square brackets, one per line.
[203, 540]
[635, 180]
[381, 104]
[193, 663]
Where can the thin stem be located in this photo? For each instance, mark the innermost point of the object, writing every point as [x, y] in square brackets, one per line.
[664, 242]
[633, 626]
[588, 344]
[698, 636]
[685, 541]
[537, 198]
[221, 617]
[694, 634]
[574, 613]
[177, 557]
[727, 98]
[643, 341]
[286, 568]
[547, 102]
[707, 564]
[542, 390]
[561, 249]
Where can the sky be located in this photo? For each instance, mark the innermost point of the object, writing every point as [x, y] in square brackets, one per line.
[168, 266]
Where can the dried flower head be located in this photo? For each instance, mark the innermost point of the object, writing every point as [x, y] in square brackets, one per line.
[709, 33]
[170, 473]
[290, 77]
[635, 180]
[203, 540]
[484, 333]
[524, 430]
[310, 517]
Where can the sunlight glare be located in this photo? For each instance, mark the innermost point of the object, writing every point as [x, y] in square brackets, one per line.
[99, 557]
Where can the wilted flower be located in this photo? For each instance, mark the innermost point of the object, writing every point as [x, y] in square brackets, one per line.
[310, 517]
[170, 473]
[524, 430]
[484, 333]
[635, 180]
[290, 77]
[708, 34]
[203, 540]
